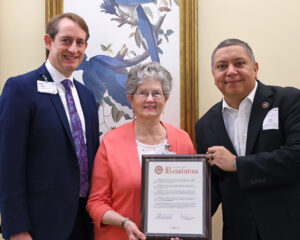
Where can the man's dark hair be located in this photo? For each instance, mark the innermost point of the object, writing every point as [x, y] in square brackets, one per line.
[233, 42]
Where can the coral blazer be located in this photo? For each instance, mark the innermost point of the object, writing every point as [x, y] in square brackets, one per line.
[116, 180]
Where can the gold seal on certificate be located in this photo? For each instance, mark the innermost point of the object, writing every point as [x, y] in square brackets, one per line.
[175, 196]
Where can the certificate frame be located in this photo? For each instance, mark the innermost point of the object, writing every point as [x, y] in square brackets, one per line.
[159, 161]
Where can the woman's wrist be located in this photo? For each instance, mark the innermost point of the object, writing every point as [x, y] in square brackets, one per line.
[124, 221]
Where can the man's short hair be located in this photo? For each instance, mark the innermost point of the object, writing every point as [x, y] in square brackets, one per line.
[233, 42]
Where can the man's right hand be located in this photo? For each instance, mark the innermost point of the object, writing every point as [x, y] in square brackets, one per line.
[222, 157]
[21, 236]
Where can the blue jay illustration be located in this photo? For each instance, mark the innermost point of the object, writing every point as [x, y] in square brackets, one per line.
[134, 9]
[108, 6]
[101, 73]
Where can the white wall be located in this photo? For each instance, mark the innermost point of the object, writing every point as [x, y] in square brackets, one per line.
[271, 27]
[22, 25]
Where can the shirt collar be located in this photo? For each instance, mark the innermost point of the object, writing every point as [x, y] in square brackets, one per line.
[55, 74]
[250, 97]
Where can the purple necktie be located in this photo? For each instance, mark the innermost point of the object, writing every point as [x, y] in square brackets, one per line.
[78, 137]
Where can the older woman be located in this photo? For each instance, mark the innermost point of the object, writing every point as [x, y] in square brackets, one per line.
[115, 197]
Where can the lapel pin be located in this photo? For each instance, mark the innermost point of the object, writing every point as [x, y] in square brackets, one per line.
[265, 105]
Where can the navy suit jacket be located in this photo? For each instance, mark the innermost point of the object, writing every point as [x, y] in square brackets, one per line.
[264, 194]
[39, 173]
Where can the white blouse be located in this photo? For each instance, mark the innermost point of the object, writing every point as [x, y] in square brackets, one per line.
[150, 149]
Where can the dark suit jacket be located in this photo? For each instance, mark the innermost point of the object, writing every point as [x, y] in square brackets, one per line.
[39, 173]
[264, 194]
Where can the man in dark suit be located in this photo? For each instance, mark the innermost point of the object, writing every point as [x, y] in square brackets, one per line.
[252, 139]
[49, 135]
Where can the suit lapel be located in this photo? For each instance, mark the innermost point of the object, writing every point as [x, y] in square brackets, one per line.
[56, 101]
[261, 105]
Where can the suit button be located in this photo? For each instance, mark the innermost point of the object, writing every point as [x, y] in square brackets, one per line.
[75, 194]
[76, 164]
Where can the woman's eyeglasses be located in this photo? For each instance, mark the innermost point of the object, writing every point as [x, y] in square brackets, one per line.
[144, 95]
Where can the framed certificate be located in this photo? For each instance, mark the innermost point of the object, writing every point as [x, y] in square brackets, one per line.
[176, 196]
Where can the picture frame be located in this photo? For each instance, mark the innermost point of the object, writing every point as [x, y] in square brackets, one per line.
[175, 196]
[189, 103]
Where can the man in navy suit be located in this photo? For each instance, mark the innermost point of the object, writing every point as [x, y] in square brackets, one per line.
[252, 139]
[40, 176]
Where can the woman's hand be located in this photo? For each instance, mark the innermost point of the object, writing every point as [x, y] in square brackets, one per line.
[133, 232]
[176, 238]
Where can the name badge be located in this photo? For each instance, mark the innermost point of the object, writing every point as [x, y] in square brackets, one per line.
[271, 120]
[46, 87]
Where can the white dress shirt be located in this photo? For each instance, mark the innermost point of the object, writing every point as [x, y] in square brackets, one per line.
[58, 78]
[236, 122]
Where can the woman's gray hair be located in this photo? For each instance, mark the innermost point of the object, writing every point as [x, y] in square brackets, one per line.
[151, 70]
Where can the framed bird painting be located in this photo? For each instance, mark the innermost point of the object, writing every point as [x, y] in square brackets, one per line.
[124, 33]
